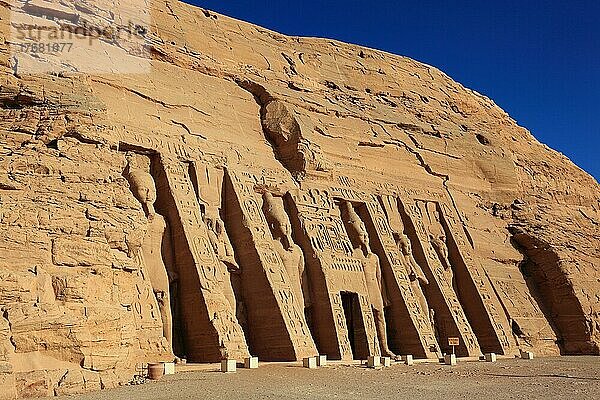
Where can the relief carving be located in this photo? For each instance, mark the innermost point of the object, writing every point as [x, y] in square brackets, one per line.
[209, 181]
[336, 201]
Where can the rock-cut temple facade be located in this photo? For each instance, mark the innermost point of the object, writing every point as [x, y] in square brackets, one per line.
[273, 196]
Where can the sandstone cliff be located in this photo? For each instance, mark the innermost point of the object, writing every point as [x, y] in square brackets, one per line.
[281, 170]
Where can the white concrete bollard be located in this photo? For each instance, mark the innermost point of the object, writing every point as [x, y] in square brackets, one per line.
[386, 361]
[251, 362]
[374, 361]
[228, 366]
[321, 361]
[408, 359]
[490, 357]
[169, 368]
[310, 362]
[450, 359]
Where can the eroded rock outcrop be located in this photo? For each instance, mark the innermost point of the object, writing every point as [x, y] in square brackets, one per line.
[238, 154]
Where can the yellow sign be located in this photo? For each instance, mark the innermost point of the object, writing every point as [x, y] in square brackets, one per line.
[453, 341]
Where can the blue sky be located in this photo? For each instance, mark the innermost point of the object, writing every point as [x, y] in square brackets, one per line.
[538, 60]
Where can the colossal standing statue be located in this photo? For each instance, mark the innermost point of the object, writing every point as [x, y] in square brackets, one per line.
[210, 186]
[372, 272]
[437, 238]
[417, 277]
[290, 253]
[150, 253]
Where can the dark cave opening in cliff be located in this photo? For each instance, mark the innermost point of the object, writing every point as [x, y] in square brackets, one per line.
[552, 291]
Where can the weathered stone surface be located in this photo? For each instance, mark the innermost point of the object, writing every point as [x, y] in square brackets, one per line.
[260, 153]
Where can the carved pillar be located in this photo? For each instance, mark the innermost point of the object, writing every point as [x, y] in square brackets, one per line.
[207, 317]
[278, 328]
[448, 310]
[530, 329]
[410, 324]
[487, 319]
[333, 271]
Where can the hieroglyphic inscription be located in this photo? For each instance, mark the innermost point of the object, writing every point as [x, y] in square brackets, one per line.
[518, 303]
[340, 326]
[192, 149]
[369, 321]
[188, 210]
[321, 220]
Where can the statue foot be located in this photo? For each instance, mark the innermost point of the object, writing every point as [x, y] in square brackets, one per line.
[391, 355]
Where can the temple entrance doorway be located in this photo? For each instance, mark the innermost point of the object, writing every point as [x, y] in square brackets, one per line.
[354, 322]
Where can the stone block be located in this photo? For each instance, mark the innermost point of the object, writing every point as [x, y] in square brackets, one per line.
[169, 368]
[450, 359]
[310, 362]
[322, 361]
[374, 361]
[527, 355]
[74, 251]
[408, 359]
[490, 357]
[228, 366]
[251, 362]
[386, 361]
[33, 384]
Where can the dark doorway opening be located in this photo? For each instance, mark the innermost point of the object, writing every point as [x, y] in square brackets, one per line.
[356, 328]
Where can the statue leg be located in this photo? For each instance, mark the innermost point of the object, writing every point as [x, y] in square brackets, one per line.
[382, 333]
[164, 306]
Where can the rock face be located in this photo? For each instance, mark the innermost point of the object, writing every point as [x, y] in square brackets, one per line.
[253, 191]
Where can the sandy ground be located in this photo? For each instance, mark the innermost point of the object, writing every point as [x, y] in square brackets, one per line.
[550, 378]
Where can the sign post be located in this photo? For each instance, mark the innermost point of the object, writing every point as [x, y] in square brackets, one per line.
[453, 341]
[450, 359]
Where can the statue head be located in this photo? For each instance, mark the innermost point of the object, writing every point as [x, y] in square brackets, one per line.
[278, 220]
[283, 226]
[143, 189]
[405, 245]
[437, 239]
